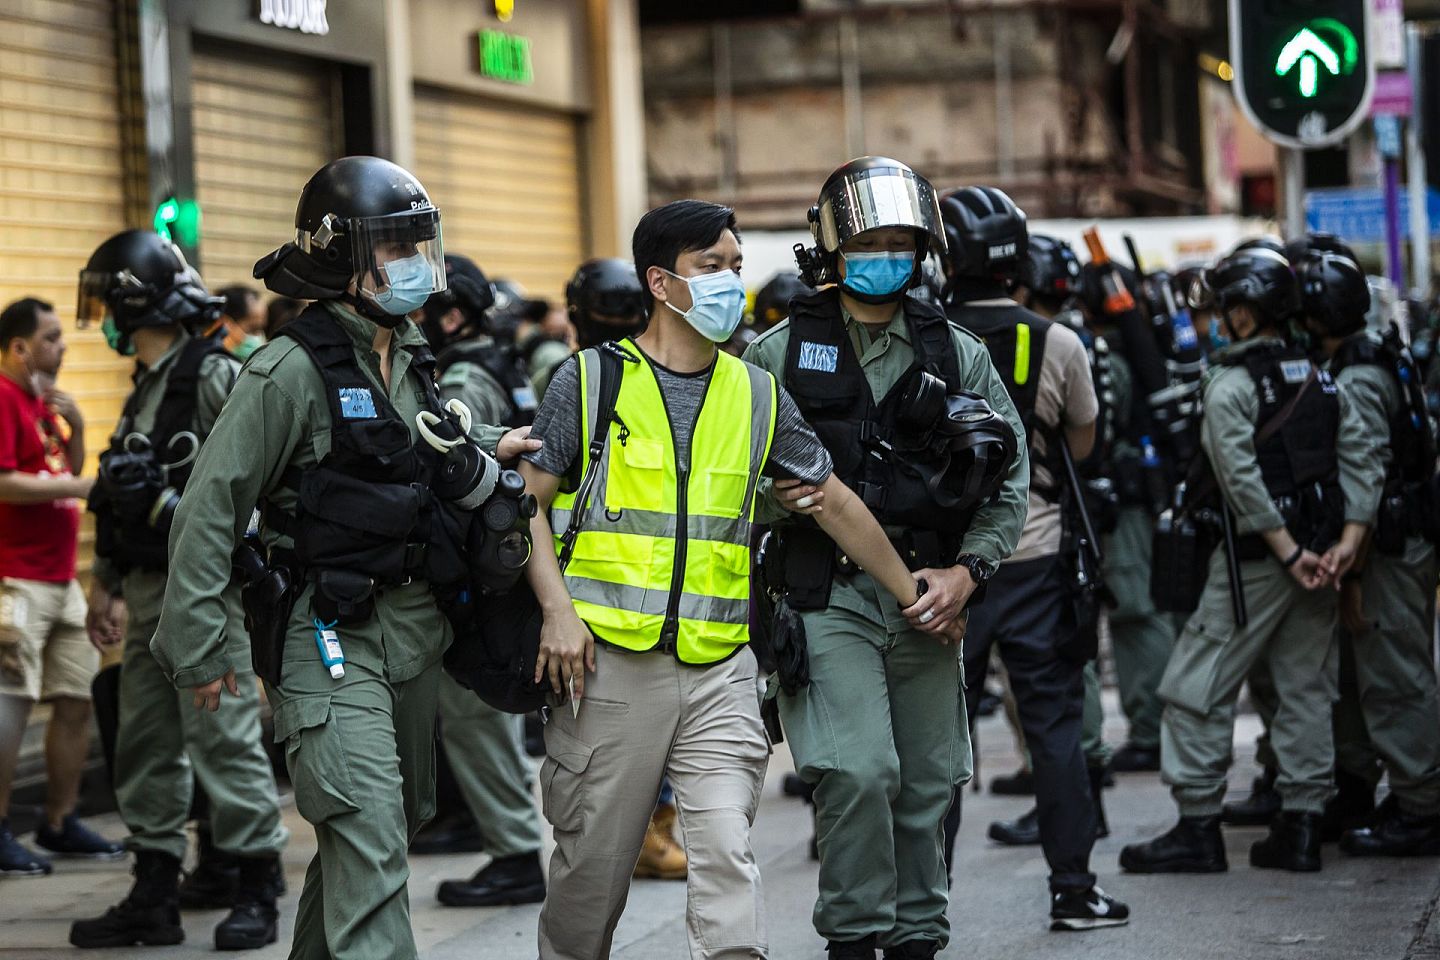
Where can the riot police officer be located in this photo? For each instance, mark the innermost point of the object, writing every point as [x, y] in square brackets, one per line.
[1030, 611]
[1387, 600]
[321, 433]
[1286, 450]
[868, 367]
[604, 301]
[483, 745]
[148, 302]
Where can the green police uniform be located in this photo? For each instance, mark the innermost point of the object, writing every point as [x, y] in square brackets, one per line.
[885, 775]
[1390, 711]
[1141, 637]
[162, 738]
[546, 355]
[1290, 628]
[483, 745]
[361, 748]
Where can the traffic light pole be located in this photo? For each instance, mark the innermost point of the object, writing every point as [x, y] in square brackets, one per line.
[1415, 166]
[1293, 223]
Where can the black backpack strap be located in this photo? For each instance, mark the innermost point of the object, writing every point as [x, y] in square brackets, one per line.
[333, 354]
[182, 387]
[612, 371]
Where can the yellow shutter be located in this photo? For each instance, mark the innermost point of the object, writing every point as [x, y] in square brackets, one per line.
[62, 173]
[263, 125]
[507, 181]
[62, 177]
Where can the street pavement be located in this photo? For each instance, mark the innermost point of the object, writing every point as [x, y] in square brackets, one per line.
[1353, 910]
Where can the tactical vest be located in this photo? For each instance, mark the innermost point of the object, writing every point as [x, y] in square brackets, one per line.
[124, 532]
[1017, 349]
[872, 444]
[1409, 505]
[1298, 463]
[506, 365]
[365, 515]
[662, 557]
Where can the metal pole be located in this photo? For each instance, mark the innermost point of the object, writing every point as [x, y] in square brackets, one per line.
[1004, 98]
[1415, 165]
[1294, 186]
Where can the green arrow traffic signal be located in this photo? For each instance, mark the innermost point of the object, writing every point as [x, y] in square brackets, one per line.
[1305, 53]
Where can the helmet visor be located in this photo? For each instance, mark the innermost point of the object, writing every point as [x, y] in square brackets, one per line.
[378, 242]
[92, 305]
[878, 197]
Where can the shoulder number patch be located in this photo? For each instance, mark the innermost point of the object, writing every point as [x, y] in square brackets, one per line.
[356, 403]
[1295, 371]
[823, 357]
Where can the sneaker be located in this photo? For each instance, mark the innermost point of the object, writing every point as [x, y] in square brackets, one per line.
[74, 839]
[1086, 910]
[16, 860]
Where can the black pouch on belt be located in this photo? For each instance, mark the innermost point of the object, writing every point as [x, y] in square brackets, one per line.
[789, 647]
[343, 598]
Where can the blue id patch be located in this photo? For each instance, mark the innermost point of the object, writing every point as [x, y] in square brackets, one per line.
[819, 356]
[356, 403]
[1295, 371]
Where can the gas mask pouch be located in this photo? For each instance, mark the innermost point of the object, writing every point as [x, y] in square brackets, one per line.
[343, 597]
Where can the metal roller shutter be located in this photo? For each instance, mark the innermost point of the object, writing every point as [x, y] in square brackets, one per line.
[507, 182]
[62, 177]
[263, 124]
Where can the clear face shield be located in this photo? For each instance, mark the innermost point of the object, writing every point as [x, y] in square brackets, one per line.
[92, 307]
[399, 259]
[878, 197]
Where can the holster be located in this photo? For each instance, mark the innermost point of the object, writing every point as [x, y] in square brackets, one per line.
[267, 595]
[1394, 522]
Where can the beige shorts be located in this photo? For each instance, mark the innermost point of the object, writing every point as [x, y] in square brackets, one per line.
[44, 650]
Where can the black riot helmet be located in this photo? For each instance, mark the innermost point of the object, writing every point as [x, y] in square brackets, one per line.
[977, 447]
[1260, 277]
[1318, 242]
[467, 290]
[987, 235]
[1334, 293]
[869, 193]
[363, 220]
[605, 301]
[772, 301]
[137, 279]
[1051, 271]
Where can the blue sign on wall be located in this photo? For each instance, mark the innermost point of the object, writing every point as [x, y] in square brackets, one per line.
[1357, 214]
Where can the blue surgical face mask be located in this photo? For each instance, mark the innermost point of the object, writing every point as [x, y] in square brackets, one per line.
[882, 274]
[411, 282]
[1218, 340]
[717, 303]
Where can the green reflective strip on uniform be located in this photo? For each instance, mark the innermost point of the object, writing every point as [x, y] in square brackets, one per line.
[1022, 354]
[648, 602]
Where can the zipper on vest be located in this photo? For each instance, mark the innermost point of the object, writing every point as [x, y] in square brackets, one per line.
[670, 630]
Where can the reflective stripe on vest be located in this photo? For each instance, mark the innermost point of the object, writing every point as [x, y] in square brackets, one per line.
[622, 569]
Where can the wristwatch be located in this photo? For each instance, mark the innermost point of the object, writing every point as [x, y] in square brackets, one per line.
[980, 568]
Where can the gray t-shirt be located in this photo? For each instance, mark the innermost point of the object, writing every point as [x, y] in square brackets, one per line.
[795, 453]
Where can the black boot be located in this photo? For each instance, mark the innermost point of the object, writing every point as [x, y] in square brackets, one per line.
[457, 834]
[912, 950]
[1293, 843]
[503, 881]
[1259, 808]
[1132, 758]
[1194, 845]
[1021, 783]
[1352, 805]
[1394, 833]
[862, 949]
[255, 922]
[1024, 831]
[1097, 791]
[149, 916]
[214, 881]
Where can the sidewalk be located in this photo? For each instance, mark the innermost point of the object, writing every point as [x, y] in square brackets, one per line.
[1353, 910]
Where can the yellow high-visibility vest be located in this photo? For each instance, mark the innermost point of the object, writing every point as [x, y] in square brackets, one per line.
[663, 557]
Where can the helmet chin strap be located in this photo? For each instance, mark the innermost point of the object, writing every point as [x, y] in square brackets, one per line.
[371, 312]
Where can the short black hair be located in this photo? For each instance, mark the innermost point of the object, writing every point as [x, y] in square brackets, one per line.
[21, 319]
[238, 299]
[678, 227]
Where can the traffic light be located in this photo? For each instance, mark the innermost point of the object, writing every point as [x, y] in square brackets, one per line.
[1303, 72]
[178, 221]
